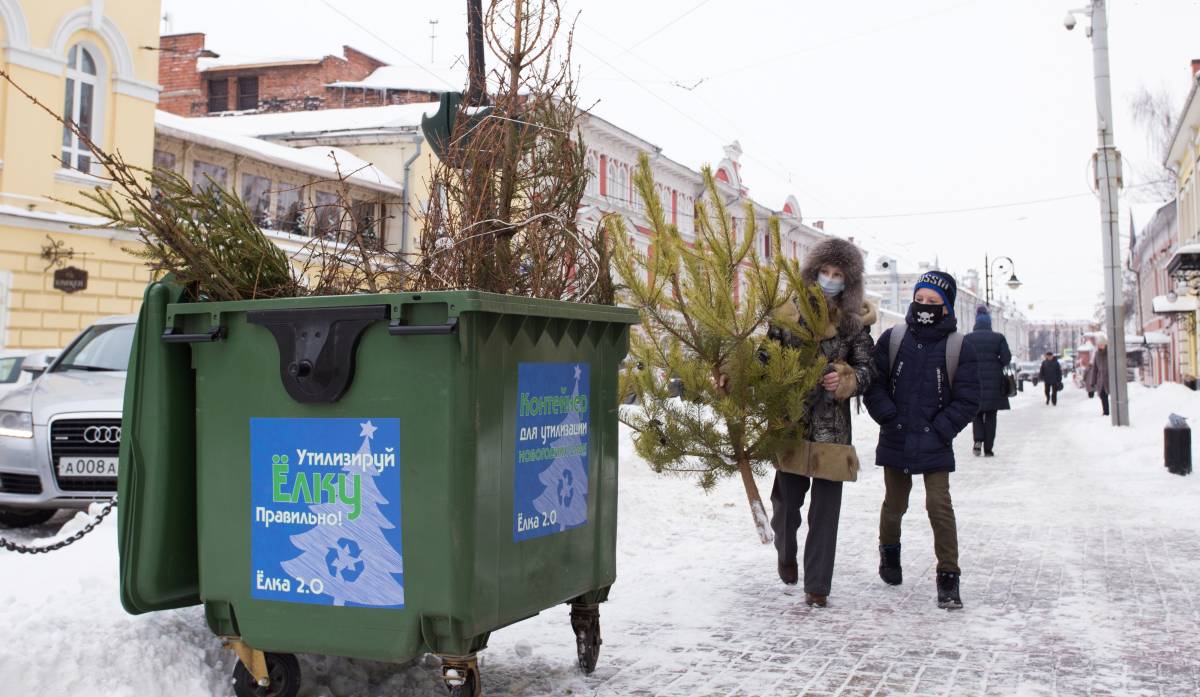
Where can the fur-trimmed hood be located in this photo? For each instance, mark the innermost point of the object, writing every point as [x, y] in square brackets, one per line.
[868, 315]
[847, 257]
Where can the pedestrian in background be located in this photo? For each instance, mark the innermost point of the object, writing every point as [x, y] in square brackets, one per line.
[837, 267]
[926, 391]
[1095, 378]
[991, 349]
[1051, 374]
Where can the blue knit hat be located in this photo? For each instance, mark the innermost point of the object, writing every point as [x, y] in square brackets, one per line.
[941, 283]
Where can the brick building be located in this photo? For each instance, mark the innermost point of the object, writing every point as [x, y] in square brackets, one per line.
[197, 81]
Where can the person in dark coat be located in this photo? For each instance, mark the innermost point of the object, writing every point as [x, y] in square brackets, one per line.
[836, 266]
[920, 409]
[992, 350]
[1095, 378]
[1051, 374]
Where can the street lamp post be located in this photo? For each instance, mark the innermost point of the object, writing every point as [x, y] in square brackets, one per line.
[1108, 174]
[1003, 265]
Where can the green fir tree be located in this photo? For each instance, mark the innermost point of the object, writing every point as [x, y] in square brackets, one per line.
[743, 396]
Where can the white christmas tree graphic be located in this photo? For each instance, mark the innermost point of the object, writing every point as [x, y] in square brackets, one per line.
[353, 562]
[565, 479]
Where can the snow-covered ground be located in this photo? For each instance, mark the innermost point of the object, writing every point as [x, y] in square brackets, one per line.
[1080, 558]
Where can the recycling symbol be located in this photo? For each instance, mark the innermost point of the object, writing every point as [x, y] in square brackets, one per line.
[566, 488]
[344, 560]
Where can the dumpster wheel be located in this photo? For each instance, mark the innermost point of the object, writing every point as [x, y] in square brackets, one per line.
[461, 675]
[585, 620]
[283, 671]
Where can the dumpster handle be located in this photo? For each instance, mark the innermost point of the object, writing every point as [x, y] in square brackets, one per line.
[397, 329]
[173, 336]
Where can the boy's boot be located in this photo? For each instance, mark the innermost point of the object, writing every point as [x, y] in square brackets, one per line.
[889, 564]
[978, 449]
[947, 587]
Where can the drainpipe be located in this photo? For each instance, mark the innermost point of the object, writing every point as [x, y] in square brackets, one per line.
[404, 216]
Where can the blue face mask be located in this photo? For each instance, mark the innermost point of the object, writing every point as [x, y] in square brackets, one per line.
[829, 286]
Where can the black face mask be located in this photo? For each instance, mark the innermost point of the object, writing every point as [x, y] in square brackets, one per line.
[925, 315]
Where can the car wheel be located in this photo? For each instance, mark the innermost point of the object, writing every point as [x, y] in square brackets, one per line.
[25, 517]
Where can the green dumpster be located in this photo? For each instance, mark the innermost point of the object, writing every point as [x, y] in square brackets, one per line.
[373, 476]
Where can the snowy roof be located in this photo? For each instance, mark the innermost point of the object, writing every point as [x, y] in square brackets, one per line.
[317, 160]
[394, 116]
[1182, 303]
[407, 77]
[231, 61]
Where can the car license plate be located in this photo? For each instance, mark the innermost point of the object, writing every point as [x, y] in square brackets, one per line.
[87, 466]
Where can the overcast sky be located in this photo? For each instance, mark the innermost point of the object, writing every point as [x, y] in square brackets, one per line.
[868, 111]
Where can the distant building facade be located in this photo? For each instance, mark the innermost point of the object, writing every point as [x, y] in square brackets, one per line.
[896, 287]
[1165, 335]
[197, 81]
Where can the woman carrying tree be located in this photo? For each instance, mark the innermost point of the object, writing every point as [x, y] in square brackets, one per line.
[837, 267]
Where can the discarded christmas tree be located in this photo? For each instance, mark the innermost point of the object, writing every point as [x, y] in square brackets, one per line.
[743, 396]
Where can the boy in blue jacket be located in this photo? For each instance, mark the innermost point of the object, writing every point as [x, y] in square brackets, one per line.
[928, 391]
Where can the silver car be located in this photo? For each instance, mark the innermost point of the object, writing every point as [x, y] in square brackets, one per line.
[60, 434]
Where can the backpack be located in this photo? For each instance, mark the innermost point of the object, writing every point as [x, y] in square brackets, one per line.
[954, 344]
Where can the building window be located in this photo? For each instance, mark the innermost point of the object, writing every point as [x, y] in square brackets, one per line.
[247, 93]
[611, 187]
[289, 211]
[79, 107]
[164, 160]
[327, 215]
[367, 222]
[622, 185]
[593, 175]
[218, 95]
[206, 175]
[256, 194]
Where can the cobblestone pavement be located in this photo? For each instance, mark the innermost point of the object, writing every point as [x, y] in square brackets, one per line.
[1079, 556]
[1070, 588]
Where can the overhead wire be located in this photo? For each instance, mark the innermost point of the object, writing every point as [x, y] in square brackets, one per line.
[842, 39]
[666, 26]
[388, 44]
[779, 169]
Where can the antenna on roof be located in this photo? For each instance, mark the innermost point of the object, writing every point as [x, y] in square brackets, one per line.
[432, 38]
[168, 24]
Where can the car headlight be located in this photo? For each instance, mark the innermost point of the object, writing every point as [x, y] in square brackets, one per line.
[16, 424]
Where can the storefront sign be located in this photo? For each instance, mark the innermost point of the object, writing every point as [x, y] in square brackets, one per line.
[70, 279]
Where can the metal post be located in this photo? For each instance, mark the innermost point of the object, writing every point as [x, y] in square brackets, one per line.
[477, 82]
[987, 281]
[1107, 173]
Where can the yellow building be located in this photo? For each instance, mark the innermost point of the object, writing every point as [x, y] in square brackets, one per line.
[1183, 267]
[82, 59]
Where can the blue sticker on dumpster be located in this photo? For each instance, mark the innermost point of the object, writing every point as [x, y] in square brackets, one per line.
[551, 477]
[325, 512]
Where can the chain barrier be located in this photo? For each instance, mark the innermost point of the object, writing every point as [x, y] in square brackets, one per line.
[26, 549]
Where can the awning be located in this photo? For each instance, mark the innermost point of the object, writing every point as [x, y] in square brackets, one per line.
[1183, 303]
[1157, 339]
[1186, 258]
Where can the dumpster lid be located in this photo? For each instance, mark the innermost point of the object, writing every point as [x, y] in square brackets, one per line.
[457, 303]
